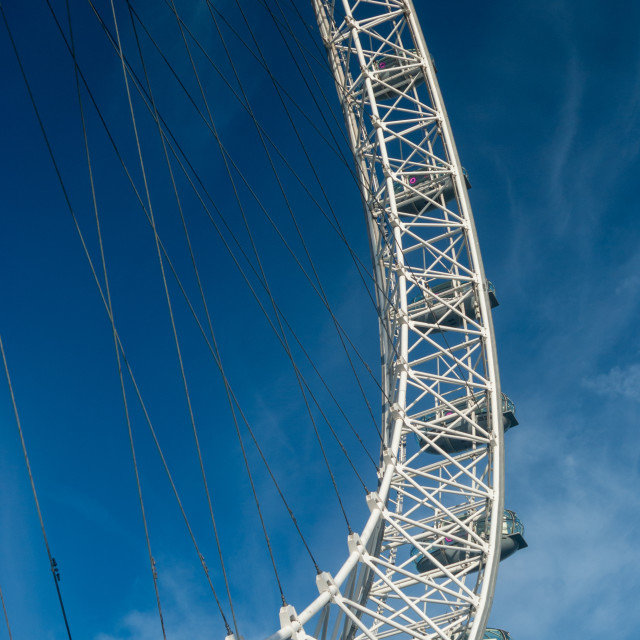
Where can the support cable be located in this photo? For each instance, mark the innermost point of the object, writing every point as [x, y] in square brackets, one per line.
[107, 290]
[221, 235]
[261, 268]
[256, 444]
[314, 38]
[97, 281]
[304, 77]
[202, 186]
[230, 400]
[321, 291]
[249, 427]
[55, 572]
[324, 297]
[228, 159]
[399, 247]
[275, 482]
[232, 234]
[335, 224]
[173, 323]
[346, 161]
[155, 233]
[105, 304]
[6, 617]
[321, 59]
[337, 227]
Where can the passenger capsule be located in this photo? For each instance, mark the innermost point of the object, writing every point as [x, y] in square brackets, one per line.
[436, 307]
[512, 533]
[475, 408]
[496, 634]
[449, 552]
[490, 634]
[421, 192]
[397, 74]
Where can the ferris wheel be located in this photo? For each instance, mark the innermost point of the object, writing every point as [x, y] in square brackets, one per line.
[425, 564]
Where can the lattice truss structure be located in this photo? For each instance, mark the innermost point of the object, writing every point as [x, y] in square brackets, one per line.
[425, 564]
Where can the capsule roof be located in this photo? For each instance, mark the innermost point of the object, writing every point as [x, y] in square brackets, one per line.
[448, 550]
[511, 524]
[496, 634]
[456, 426]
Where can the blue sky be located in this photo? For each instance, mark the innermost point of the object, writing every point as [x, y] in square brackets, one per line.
[544, 101]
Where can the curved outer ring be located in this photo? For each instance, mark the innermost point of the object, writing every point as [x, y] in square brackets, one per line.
[292, 625]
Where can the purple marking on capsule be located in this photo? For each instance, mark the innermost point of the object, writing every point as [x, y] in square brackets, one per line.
[412, 180]
[448, 539]
[382, 65]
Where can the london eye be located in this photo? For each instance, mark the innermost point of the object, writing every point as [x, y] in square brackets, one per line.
[425, 563]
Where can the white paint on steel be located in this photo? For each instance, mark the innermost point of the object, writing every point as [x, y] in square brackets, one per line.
[438, 352]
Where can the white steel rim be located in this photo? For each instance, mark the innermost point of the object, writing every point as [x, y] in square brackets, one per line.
[389, 577]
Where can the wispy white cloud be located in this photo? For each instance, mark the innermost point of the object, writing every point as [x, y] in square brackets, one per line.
[617, 382]
[581, 508]
[566, 131]
[189, 609]
[580, 177]
[185, 616]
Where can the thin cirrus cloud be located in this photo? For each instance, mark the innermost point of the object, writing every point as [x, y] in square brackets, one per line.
[618, 382]
[578, 500]
[189, 612]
